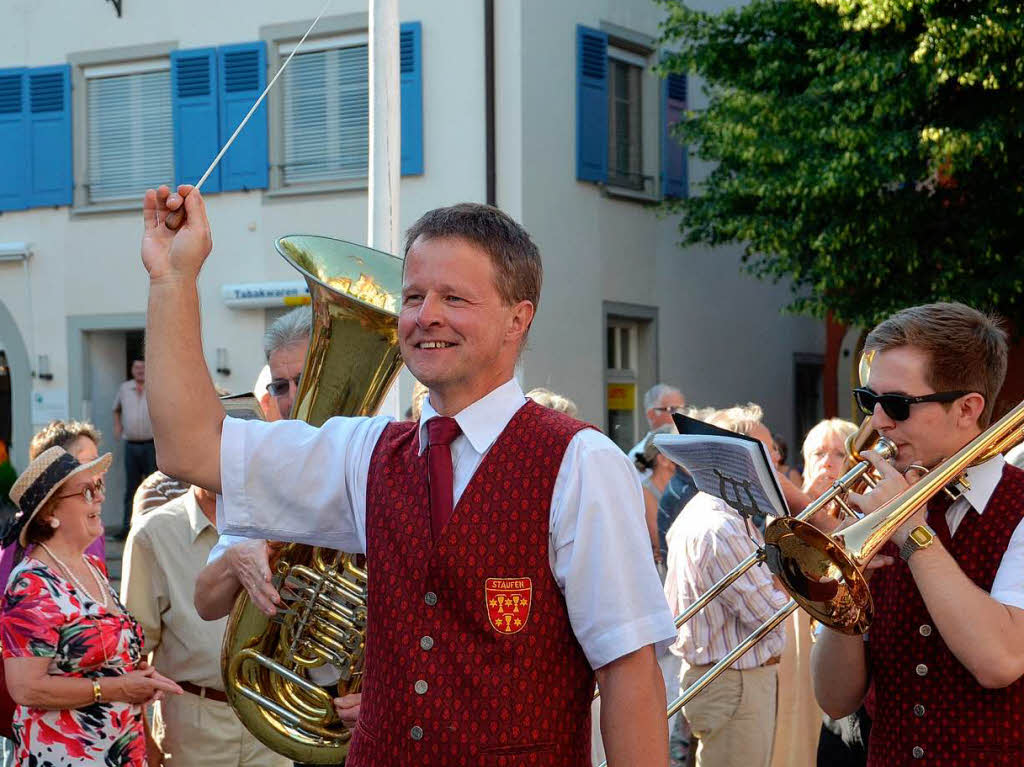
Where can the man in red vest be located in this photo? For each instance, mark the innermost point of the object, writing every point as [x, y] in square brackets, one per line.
[509, 559]
[945, 652]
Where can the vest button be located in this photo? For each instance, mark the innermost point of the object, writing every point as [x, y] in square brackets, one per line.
[420, 687]
[427, 643]
[922, 670]
[430, 598]
[416, 733]
[918, 709]
[918, 752]
[926, 630]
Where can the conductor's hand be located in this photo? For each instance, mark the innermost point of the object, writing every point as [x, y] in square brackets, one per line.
[347, 707]
[145, 685]
[249, 562]
[175, 254]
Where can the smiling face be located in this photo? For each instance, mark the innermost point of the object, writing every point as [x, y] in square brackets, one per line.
[934, 431]
[456, 333]
[81, 521]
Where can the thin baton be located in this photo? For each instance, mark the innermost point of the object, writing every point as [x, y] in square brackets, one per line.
[176, 218]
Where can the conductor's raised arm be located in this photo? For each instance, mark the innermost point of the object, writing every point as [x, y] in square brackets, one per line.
[183, 405]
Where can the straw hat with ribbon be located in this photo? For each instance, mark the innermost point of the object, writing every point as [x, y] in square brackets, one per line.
[43, 477]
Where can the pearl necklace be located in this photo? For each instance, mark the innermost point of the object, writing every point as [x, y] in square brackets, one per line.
[96, 576]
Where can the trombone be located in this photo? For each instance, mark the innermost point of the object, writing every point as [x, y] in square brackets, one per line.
[825, 573]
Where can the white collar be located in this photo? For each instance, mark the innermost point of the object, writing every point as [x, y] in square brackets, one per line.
[983, 479]
[484, 420]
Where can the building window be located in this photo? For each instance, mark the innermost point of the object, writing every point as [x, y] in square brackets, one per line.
[621, 351]
[326, 111]
[625, 136]
[808, 398]
[130, 133]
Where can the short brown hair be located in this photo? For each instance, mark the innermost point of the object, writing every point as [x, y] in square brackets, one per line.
[966, 349]
[517, 265]
[61, 434]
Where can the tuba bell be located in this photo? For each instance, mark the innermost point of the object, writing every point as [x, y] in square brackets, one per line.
[275, 669]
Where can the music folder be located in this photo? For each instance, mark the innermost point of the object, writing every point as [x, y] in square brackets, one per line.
[727, 465]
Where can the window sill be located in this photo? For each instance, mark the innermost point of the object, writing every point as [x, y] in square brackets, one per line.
[123, 206]
[622, 193]
[331, 187]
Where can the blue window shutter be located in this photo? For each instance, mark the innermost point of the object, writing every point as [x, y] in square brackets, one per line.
[194, 110]
[49, 120]
[14, 155]
[591, 104]
[411, 50]
[243, 73]
[674, 169]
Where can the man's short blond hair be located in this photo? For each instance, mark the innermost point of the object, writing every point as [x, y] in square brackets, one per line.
[742, 419]
[553, 401]
[967, 349]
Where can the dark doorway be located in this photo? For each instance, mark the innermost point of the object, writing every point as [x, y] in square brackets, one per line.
[135, 349]
[809, 403]
[6, 412]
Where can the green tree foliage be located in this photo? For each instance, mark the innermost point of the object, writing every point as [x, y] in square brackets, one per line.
[870, 151]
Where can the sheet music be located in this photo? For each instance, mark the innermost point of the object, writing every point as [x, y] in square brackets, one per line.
[737, 470]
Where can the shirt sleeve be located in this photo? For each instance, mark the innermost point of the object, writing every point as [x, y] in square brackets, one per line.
[752, 597]
[144, 591]
[1008, 586]
[117, 399]
[601, 553]
[224, 542]
[30, 618]
[289, 481]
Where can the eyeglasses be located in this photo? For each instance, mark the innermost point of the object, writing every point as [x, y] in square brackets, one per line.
[88, 492]
[669, 409]
[279, 386]
[897, 406]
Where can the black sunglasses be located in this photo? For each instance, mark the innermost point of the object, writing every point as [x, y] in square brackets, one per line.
[279, 386]
[897, 406]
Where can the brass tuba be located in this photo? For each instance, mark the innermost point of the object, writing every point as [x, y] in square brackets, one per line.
[272, 666]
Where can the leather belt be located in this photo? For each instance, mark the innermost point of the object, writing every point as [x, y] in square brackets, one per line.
[204, 692]
[774, 661]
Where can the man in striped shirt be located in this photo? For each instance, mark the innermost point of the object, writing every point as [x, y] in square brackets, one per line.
[734, 717]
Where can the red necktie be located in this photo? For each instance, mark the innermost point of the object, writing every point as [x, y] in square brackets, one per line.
[440, 433]
[937, 508]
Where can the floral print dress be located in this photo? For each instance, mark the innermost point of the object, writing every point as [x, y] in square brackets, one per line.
[45, 616]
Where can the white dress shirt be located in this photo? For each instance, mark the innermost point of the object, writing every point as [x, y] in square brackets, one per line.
[289, 481]
[1008, 586]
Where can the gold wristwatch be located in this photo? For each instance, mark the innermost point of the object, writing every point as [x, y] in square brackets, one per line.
[921, 537]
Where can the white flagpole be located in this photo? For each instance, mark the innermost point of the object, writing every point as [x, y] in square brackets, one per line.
[385, 144]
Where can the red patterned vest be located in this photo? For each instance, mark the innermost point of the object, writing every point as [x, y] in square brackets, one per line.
[470, 657]
[929, 709]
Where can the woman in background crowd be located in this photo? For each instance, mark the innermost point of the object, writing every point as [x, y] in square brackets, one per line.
[799, 717]
[72, 653]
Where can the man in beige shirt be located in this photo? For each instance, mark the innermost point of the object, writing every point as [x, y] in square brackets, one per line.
[165, 550]
[131, 422]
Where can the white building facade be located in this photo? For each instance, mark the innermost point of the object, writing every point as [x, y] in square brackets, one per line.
[548, 110]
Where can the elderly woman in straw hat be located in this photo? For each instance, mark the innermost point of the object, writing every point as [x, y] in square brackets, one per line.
[72, 654]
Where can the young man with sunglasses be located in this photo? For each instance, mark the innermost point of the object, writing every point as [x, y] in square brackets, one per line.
[945, 652]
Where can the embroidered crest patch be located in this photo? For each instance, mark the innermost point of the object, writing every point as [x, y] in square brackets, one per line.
[508, 603]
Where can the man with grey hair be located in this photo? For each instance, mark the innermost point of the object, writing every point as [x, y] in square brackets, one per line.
[660, 402]
[285, 344]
